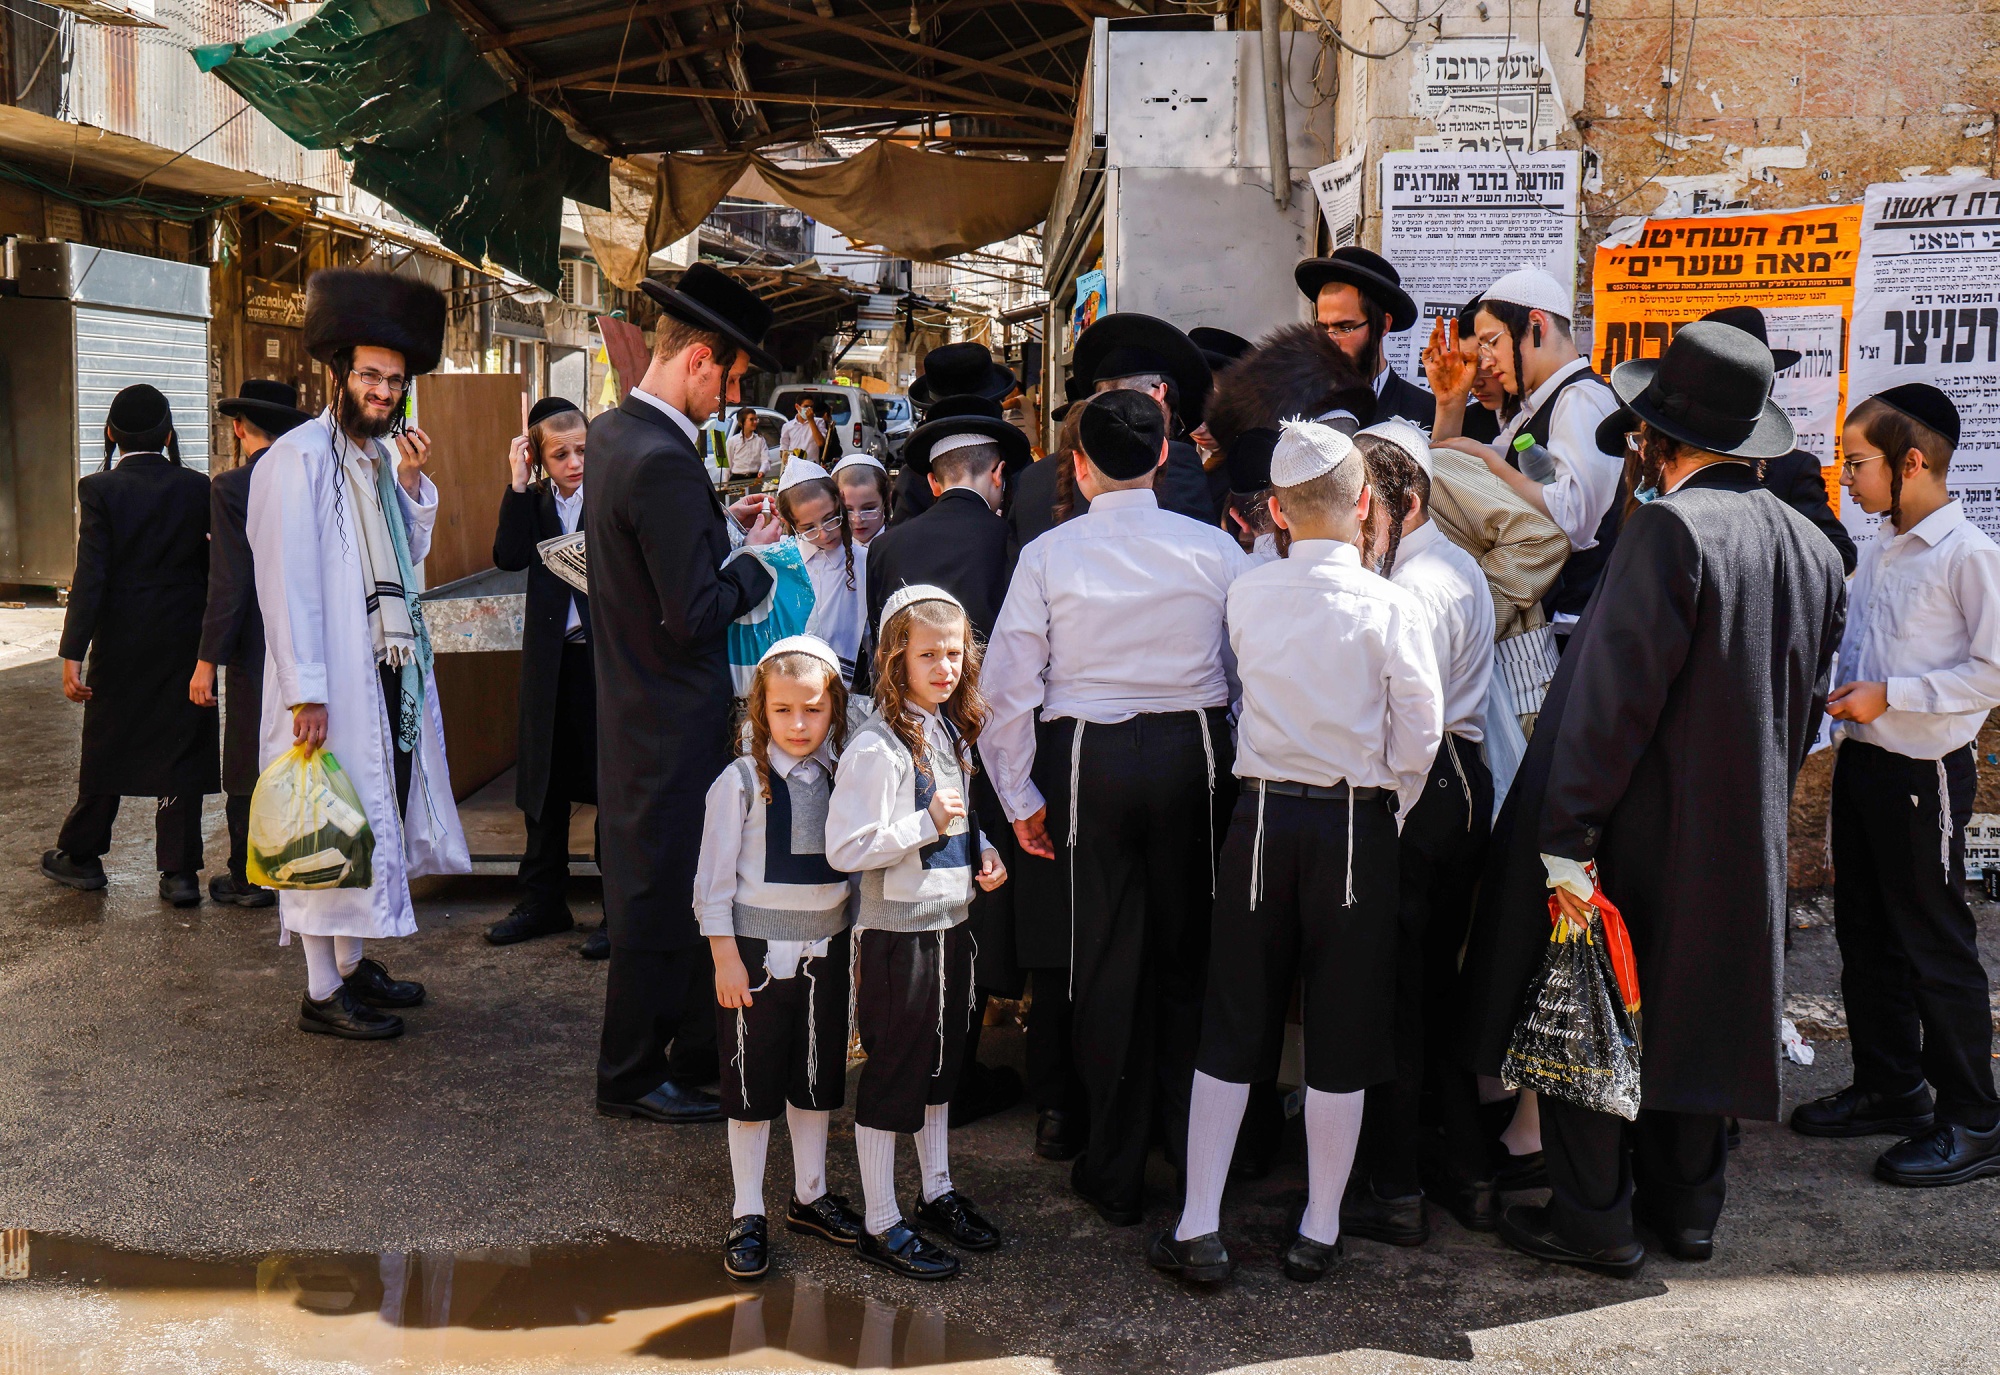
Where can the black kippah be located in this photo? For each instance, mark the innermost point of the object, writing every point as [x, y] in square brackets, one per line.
[1122, 432]
[548, 406]
[139, 411]
[1924, 404]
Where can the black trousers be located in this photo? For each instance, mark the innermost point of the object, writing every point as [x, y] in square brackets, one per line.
[544, 871]
[1915, 989]
[392, 698]
[1053, 1084]
[86, 831]
[653, 1000]
[1144, 866]
[1442, 849]
[1669, 1165]
[236, 815]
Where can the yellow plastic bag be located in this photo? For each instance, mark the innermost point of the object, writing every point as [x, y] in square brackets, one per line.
[307, 828]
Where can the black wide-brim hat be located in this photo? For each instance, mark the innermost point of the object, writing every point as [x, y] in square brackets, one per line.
[1611, 431]
[1074, 390]
[966, 415]
[1711, 389]
[709, 298]
[350, 308]
[1750, 320]
[1249, 460]
[1219, 346]
[1126, 344]
[1373, 275]
[272, 407]
[961, 370]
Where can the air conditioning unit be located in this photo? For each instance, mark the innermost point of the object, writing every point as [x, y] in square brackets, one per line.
[580, 284]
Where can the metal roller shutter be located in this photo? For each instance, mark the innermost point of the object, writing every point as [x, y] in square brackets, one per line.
[115, 349]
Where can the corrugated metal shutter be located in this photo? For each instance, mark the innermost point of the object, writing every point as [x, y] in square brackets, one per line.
[116, 348]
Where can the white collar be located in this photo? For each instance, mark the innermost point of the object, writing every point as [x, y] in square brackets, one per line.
[565, 501]
[1550, 383]
[1418, 540]
[1933, 528]
[784, 763]
[1134, 497]
[1382, 377]
[687, 425]
[1337, 551]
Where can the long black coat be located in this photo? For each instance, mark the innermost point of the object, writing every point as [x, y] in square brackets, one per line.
[526, 519]
[661, 603]
[232, 629]
[1666, 750]
[1795, 480]
[135, 609]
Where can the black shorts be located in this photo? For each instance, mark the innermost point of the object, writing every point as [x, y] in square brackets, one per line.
[1302, 928]
[912, 1004]
[790, 1044]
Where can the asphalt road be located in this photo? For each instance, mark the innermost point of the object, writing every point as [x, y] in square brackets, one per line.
[155, 1096]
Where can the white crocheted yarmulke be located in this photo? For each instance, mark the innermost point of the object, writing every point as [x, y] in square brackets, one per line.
[910, 596]
[1406, 437]
[803, 644]
[800, 470]
[1533, 288]
[1305, 450]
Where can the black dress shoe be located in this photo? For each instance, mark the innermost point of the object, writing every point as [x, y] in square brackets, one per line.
[1948, 1153]
[902, 1252]
[1476, 1204]
[1059, 1135]
[1516, 1173]
[1528, 1229]
[371, 983]
[669, 1103]
[988, 1090]
[1203, 1259]
[827, 1216]
[182, 890]
[86, 875]
[233, 892]
[1732, 1133]
[1682, 1243]
[746, 1247]
[1397, 1221]
[1858, 1112]
[1306, 1260]
[529, 920]
[596, 945]
[346, 1016]
[952, 1213]
[1115, 1213]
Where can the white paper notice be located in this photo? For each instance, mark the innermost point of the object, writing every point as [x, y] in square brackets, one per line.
[1927, 309]
[1338, 186]
[1486, 95]
[1454, 223]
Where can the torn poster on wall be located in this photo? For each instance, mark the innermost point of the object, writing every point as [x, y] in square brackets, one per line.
[1927, 309]
[1338, 187]
[1486, 95]
[1455, 223]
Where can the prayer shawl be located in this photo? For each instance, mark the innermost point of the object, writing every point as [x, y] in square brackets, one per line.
[783, 612]
[395, 617]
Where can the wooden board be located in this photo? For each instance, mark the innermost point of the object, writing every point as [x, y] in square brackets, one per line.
[479, 696]
[471, 418]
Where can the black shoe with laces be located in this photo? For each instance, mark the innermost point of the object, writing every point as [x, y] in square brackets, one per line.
[746, 1247]
[85, 875]
[1059, 1134]
[1859, 1112]
[596, 945]
[829, 1217]
[1949, 1153]
[528, 920]
[371, 984]
[1116, 1213]
[903, 1252]
[1475, 1203]
[1529, 1229]
[182, 890]
[346, 1016]
[1397, 1221]
[231, 891]
[1201, 1260]
[952, 1213]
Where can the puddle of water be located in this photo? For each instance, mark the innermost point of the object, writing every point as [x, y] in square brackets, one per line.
[74, 1306]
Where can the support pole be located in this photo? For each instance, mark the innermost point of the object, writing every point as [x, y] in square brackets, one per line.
[1274, 105]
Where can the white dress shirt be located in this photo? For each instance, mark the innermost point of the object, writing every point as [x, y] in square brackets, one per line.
[1447, 581]
[1115, 613]
[840, 612]
[748, 455]
[800, 434]
[673, 413]
[569, 510]
[1586, 477]
[1923, 616]
[1340, 683]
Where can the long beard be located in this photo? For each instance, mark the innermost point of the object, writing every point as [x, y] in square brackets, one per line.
[355, 420]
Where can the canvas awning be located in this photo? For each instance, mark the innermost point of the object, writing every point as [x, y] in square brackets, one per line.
[132, 165]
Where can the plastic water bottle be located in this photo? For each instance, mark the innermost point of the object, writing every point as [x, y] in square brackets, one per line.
[1534, 460]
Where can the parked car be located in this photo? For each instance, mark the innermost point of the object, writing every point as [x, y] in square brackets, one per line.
[856, 421]
[715, 431]
[899, 417]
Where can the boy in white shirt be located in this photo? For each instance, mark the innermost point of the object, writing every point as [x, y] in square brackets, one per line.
[1308, 881]
[1921, 664]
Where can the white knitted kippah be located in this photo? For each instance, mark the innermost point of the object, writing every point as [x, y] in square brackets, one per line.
[1533, 288]
[859, 461]
[960, 441]
[1406, 437]
[803, 644]
[1305, 450]
[910, 596]
[800, 470]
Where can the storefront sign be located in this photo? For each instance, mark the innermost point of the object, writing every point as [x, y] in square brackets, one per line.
[274, 303]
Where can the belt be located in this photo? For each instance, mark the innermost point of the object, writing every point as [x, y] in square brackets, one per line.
[1338, 793]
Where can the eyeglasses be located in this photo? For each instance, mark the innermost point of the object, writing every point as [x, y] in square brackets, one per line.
[1490, 343]
[829, 526]
[865, 515]
[1849, 466]
[1345, 329]
[372, 379]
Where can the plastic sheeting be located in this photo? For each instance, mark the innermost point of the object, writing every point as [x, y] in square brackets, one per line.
[430, 127]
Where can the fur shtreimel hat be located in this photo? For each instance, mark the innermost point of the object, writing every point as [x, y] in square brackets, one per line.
[1295, 372]
[349, 308]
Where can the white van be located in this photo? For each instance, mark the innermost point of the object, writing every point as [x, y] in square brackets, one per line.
[857, 423]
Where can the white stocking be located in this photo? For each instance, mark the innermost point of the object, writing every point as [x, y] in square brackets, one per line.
[322, 968]
[934, 1151]
[876, 1150]
[1524, 1134]
[749, 1144]
[808, 1132]
[1333, 1125]
[1215, 1114]
[347, 952]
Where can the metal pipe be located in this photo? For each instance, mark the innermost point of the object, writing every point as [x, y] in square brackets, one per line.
[1274, 105]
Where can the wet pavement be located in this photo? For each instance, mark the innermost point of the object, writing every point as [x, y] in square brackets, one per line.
[200, 1187]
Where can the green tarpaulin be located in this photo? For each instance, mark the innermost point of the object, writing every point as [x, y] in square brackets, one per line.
[430, 127]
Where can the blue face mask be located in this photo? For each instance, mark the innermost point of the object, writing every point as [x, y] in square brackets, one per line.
[1645, 494]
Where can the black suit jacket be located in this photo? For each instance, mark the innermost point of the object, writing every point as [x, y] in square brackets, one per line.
[135, 612]
[660, 606]
[1796, 480]
[1406, 400]
[959, 544]
[910, 497]
[232, 630]
[526, 519]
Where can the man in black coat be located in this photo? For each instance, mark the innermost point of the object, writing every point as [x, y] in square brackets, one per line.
[661, 599]
[1661, 769]
[950, 372]
[135, 609]
[232, 630]
[1358, 299]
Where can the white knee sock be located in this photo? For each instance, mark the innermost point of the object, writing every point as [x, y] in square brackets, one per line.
[1215, 1114]
[877, 1152]
[749, 1144]
[934, 1151]
[1333, 1125]
[347, 952]
[1524, 1134]
[322, 968]
[1491, 1090]
[808, 1131]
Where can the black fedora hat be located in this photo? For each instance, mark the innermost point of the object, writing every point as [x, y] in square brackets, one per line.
[1611, 431]
[1075, 389]
[964, 369]
[1711, 389]
[974, 415]
[1373, 275]
[711, 299]
[1750, 320]
[272, 407]
[349, 307]
[1219, 346]
[1126, 344]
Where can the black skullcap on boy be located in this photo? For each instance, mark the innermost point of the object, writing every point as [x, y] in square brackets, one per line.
[1926, 405]
[140, 411]
[548, 406]
[1122, 432]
